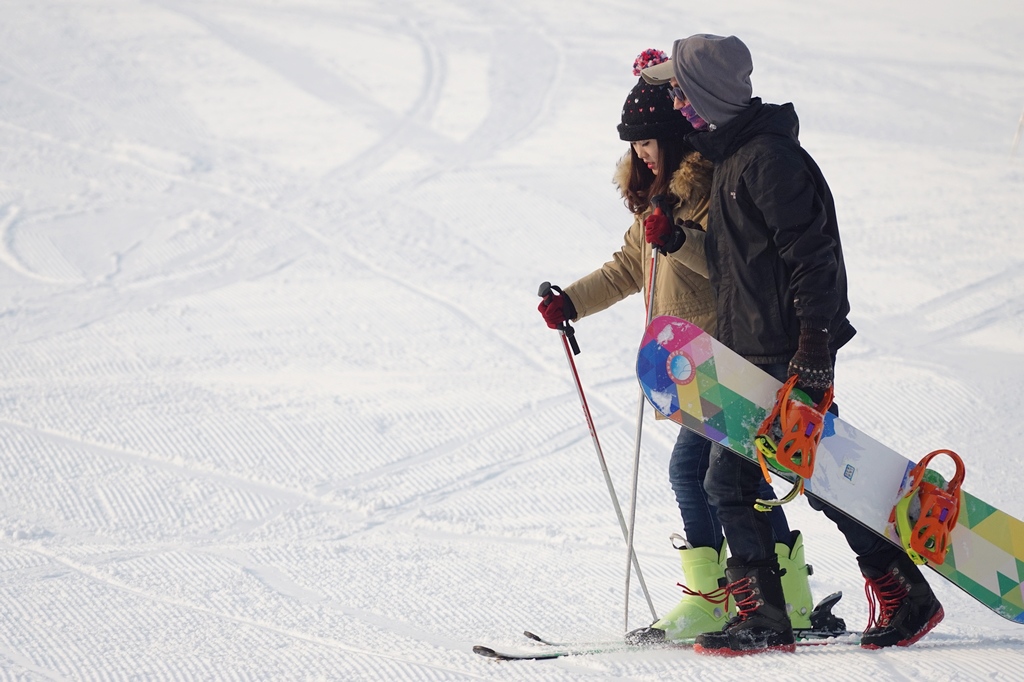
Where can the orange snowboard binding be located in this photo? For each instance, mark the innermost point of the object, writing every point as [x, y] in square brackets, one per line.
[788, 438]
[926, 514]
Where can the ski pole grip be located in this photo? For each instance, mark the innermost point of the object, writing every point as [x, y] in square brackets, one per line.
[546, 291]
[659, 202]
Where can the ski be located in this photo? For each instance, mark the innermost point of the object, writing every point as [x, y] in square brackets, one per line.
[547, 651]
[826, 629]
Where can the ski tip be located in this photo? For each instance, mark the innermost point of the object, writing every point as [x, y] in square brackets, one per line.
[488, 652]
[530, 635]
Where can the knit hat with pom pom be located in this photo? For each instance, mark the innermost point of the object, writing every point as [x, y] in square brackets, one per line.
[648, 113]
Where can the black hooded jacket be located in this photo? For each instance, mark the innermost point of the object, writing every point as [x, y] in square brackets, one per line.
[774, 256]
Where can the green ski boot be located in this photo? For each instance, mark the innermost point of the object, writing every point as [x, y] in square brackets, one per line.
[703, 607]
[799, 602]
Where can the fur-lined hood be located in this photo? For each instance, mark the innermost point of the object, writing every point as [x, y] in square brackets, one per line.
[682, 287]
[690, 183]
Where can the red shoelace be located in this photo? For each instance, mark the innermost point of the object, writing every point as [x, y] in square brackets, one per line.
[744, 606]
[884, 595]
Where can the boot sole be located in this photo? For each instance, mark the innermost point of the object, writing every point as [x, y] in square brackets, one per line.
[935, 620]
[781, 648]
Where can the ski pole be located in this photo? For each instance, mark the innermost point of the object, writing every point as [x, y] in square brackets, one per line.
[547, 290]
[657, 203]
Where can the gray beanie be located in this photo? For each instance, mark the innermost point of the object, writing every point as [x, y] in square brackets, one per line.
[714, 73]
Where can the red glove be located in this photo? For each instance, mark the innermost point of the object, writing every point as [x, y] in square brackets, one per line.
[557, 309]
[660, 232]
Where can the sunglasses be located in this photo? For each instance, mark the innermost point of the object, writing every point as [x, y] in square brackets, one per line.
[676, 93]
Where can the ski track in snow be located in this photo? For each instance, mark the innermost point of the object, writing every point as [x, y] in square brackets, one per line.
[277, 401]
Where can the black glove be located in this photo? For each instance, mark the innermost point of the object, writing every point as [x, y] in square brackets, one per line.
[812, 363]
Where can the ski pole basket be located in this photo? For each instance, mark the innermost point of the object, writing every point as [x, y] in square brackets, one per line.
[788, 438]
[927, 512]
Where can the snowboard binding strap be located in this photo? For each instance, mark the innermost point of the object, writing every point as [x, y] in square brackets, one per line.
[788, 438]
[927, 514]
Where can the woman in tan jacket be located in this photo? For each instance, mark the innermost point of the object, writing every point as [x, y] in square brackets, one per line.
[661, 164]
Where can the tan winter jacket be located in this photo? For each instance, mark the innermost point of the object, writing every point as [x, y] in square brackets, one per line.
[682, 288]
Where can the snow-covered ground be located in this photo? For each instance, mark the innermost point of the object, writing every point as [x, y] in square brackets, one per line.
[277, 403]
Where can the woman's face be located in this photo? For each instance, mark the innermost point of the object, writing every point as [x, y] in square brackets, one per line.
[647, 150]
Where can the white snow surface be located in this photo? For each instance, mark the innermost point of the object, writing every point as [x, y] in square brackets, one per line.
[277, 403]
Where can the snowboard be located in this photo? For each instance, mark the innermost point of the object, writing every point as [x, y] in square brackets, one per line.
[696, 381]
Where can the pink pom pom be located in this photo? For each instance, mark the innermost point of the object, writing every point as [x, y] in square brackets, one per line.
[648, 57]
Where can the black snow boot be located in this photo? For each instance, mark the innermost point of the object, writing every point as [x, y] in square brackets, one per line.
[903, 608]
[761, 623]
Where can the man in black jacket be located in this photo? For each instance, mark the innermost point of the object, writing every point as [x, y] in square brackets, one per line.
[777, 271]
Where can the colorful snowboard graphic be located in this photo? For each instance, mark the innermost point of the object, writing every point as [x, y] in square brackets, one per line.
[694, 380]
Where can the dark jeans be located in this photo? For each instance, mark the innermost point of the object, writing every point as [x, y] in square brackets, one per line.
[686, 472]
[733, 484]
